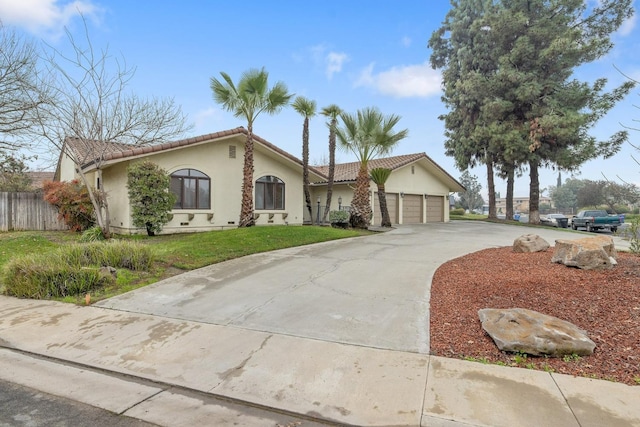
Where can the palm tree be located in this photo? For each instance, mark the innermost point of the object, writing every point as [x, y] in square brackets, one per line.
[332, 112]
[367, 134]
[307, 108]
[251, 97]
[380, 177]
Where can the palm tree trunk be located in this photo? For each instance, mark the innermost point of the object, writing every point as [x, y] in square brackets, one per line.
[305, 166]
[246, 212]
[360, 206]
[384, 209]
[332, 170]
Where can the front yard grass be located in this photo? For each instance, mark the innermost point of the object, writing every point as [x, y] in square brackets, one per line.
[173, 253]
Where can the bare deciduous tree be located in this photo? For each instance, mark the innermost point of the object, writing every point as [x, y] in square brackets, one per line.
[20, 91]
[92, 106]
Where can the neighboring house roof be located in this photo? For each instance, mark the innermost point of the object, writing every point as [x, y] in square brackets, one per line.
[38, 178]
[348, 172]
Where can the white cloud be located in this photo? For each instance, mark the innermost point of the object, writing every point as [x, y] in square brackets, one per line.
[406, 41]
[411, 81]
[334, 61]
[44, 16]
[331, 61]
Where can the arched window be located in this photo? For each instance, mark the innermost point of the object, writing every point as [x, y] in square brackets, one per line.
[192, 189]
[269, 193]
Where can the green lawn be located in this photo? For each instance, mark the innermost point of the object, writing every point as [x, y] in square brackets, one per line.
[178, 252]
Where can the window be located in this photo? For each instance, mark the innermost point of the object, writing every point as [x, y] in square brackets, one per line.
[192, 189]
[269, 193]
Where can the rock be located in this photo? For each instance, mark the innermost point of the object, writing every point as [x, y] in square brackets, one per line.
[588, 253]
[108, 271]
[530, 243]
[530, 332]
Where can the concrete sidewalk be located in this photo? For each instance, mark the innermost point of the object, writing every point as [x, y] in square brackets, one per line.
[166, 369]
[149, 368]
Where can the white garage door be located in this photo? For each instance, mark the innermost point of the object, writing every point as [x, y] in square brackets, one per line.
[392, 205]
[435, 209]
[412, 209]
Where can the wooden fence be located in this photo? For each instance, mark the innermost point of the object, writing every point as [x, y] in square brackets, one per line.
[27, 211]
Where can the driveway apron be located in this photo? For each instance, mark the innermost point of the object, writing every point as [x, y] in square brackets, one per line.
[371, 291]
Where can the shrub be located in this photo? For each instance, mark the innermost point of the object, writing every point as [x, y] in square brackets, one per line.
[72, 270]
[338, 216]
[457, 211]
[634, 236]
[93, 234]
[73, 203]
[149, 195]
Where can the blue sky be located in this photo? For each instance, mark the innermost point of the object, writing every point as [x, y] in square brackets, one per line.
[351, 53]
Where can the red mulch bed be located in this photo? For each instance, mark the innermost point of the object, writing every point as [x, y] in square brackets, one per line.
[605, 303]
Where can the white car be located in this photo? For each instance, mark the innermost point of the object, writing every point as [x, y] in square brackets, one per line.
[555, 220]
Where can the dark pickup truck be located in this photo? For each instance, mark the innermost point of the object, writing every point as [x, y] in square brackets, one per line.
[595, 220]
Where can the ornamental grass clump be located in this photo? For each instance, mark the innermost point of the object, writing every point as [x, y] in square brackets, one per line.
[40, 277]
[119, 254]
[72, 270]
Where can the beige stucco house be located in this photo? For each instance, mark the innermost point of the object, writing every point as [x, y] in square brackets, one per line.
[206, 176]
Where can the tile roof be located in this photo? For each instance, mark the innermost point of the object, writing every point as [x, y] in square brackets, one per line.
[116, 151]
[344, 172]
[38, 178]
[349, 171]
[87, 151]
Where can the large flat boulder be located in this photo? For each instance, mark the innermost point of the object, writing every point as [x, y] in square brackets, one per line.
[588, 253]
[530, 243]
[527, 331]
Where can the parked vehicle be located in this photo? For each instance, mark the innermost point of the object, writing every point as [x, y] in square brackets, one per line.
[555, 220]
[593, 220]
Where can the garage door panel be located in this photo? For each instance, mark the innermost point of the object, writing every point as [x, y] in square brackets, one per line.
[435, 209]
[392, 205]
[412, 209]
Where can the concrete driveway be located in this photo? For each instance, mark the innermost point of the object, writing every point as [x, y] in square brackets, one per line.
[371, 291]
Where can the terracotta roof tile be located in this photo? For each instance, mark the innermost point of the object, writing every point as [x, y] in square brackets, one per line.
[349, 171]
[344, 172]
[116, 151]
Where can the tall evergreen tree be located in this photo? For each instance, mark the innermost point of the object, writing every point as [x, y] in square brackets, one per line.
[531, 112]
[538, 46]
[462, 49]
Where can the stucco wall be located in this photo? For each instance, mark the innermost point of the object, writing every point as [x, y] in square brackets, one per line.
[420, 181]
[226, 186]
